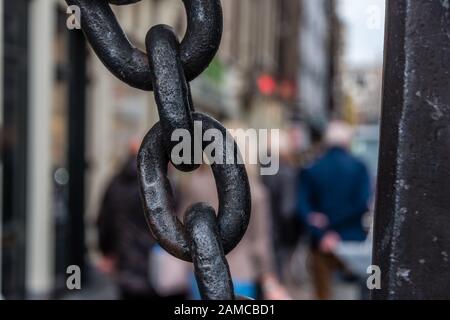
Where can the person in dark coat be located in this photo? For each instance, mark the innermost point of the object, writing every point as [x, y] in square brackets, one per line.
[124, 239]
[333, 196]
[286, 228]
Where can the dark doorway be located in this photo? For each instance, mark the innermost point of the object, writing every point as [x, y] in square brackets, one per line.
[68, 150]
[14, 147]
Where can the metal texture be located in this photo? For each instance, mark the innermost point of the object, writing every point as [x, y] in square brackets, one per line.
[412, 238]
[211, 267]
[167, 68]
[232, 187]
[170, 87]
[122, 2]
[129, 64]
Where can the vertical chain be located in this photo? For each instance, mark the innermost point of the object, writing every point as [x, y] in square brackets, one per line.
[167, 67]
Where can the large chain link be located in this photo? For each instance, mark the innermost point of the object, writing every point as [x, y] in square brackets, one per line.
[167, 68]
[129, 64]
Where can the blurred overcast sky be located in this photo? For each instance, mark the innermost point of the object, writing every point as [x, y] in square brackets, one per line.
[364, 31]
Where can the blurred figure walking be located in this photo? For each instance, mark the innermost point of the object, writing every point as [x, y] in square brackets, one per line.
[252, 261]
[124, 238]
[286, 228]
[333, 196]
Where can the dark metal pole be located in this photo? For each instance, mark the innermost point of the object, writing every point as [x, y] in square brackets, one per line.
[76, 152]
[14, 148]
[412, 223]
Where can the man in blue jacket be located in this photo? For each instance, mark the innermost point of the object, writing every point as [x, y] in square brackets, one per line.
[333, 196]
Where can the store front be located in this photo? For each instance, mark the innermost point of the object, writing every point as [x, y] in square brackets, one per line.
[41, 232]
[65, 124]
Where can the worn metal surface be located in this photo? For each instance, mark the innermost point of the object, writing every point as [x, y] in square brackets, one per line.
[211, 268]
[167, 68]
[128, 63]
[232, 187]
[170, 87]
[122, 2]
[412, 238]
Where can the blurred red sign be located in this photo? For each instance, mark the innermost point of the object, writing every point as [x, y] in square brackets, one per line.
[266, 85]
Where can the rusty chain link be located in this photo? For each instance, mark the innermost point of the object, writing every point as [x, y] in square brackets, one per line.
[167, 68]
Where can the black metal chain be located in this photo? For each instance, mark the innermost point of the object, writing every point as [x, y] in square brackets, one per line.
[168, 66]
[129, 64]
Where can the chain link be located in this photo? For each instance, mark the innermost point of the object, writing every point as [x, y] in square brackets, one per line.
[167, 68]
[129, 64]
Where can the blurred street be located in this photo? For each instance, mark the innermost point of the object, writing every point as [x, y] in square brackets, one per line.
[102, 287]
[297, 82]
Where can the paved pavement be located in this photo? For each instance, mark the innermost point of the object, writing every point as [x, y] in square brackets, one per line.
[102, 287]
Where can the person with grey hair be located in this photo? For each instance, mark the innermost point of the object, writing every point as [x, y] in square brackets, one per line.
[333, 196]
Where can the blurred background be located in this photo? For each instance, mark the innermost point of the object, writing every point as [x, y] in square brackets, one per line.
[68, 129]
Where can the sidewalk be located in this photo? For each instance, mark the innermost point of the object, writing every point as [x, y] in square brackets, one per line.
[101, 287]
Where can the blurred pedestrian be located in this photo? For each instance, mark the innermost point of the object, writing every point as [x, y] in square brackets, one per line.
[333, 196]
[125, 240]
[251, 262]
[286, 228]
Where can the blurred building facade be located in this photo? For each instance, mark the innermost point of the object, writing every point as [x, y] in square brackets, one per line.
[279, 60]
[66, 121]
[65, 127]
[363, 90]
